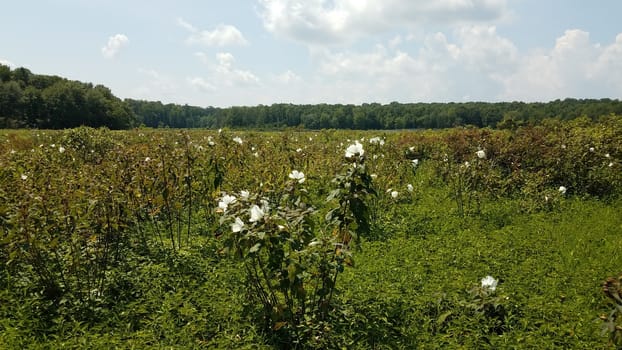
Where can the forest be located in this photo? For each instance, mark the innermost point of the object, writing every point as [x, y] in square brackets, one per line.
[29, 100]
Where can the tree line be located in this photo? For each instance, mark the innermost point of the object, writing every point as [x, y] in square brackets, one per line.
[41, 101]
[30, 100]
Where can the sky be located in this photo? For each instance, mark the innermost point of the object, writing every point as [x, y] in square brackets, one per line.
[250, 52]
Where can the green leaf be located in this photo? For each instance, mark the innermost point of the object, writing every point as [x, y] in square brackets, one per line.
[441, 319]
[255, 248]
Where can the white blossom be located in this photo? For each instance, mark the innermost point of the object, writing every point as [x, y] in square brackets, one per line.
[238, 140]
[256, 213]
[238, 225]
[410, 187]
[376, 141]
[24, 177]
[356, 148]
[415, 162]
[297, 175]
[244, 194]
[489, 283]
[394, 194]
[481, 154]
[562, 189]
[225, 201]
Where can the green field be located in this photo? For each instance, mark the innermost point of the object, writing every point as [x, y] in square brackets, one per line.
[125, 239]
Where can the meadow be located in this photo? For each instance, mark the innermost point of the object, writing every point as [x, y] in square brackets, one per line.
[456, 238]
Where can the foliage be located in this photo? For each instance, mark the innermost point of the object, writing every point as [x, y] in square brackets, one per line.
[117, 239]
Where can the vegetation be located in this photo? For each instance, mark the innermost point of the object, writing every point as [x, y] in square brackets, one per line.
[30, 100]
[456, 238]
[51, 102]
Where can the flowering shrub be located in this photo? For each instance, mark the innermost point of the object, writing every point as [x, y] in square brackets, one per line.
[291, 264]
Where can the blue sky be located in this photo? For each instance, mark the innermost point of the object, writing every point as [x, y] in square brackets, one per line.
[246, 52]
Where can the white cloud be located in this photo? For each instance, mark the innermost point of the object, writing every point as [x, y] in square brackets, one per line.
[223, 73]
[201, 84]
[325, 22]
[222, 35]
[288, 77]
[7, 63]
[156, 86]
[574, 67]
[440, 70]
[115, 43]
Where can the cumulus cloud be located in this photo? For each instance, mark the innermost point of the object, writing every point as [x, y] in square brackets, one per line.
[222, 35]
[201, 84]
[6, 62]
[154, 85]
[223, 73]
[288, 77]
[573, 67]
[439, 70]
[473, 62]
[114, 45]
[324, 22]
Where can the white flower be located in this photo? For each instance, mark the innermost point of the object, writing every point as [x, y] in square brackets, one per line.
[24, 176]
[411, 148]
[219, 131]
[562, 189]
[256, 154]
[13, 151]
[256, 213]
[481, 154]
[297, 175]
[591, 149]
[376, 141]
[415, 162]
[53, 145]
[354, 149]
[244, 194]
[489, 283]
[373, 176]
[314, 243]
[607, 155]
[467, 164]
[410, 187]
[299, 150]
[237, 226]
[610, 164]
[563, 146]
[147, 159]
[394, 194]
[238, 140]
[225, 201]
[61, 149]
[265, 206]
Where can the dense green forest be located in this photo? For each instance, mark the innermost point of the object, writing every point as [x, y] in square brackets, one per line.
[30, 100]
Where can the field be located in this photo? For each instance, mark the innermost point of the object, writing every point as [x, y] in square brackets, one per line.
[312, 239]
